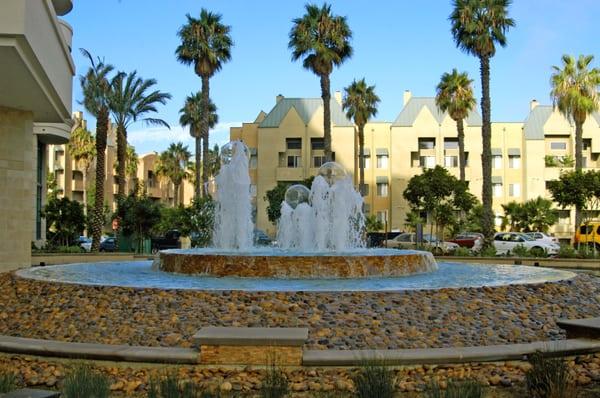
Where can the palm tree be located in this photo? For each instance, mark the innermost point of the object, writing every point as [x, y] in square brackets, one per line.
[205, 43]
[575, 94]
[130, 102]
[323, 41]
[131, 166]
[82, 148]
[360, 103]
[477, 26]
[455, 96]
[96, 88]
[191, 116]
[173, 164]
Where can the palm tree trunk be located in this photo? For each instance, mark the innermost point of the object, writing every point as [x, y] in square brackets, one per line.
[361, 159]
[176, 195]
[578, 162]
[487, 221]
[198, 184]
[121, 159]
[204, 132]
[326, 96]
[98, 213]
[461, 148]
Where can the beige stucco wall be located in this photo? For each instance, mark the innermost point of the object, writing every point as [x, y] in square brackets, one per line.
[16, 188]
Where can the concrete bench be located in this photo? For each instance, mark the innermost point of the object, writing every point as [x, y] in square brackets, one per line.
[254, 346]
[581, 328]
[30, 393]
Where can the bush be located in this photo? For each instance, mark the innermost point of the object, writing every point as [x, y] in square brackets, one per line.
[83, 382]
[456, 389]
[489, 251]
[374, 380]
[170, 386]
[8, 382]
[462, 252]
[275, 384]
[521, 251]
[548, 378]
[567, 251]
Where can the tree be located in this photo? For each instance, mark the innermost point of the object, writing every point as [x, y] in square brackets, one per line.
[65, 220]
[276, 196]
[373, 224]
[96, 88]
[360, 103]
[174, 164]
[138, 216]
[477, 27]
[455, 95]
[130, 101]
[323, 41]
[191, 116]
[206, 43]
[575, 93]
[82, 148]
[533, 215]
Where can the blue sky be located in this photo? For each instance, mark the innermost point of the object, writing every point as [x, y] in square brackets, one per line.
[398, 45]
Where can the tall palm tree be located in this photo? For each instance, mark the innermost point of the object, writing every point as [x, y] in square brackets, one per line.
[455, 96]
[82, 148]
[575, 94]
[174, 164]
[360, 103]
[130, 102]
[323, 41]
[191, 116]
[477, 27]
[205, 43]
[96, 87]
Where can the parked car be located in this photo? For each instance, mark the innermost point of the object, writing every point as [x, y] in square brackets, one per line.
[261, 238]
[540, 236]
[506, 242]
[470, 240]
[588, 234]
[85, 243]
[169, 241]
[108, 245]
[409, 241]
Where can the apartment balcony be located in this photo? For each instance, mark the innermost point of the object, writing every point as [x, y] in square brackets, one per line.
[37, 69]
[77, 185]
[52, 133]
[290, 174]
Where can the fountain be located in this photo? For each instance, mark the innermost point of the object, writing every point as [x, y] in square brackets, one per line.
[320, 235]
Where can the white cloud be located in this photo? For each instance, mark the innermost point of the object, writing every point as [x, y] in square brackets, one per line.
[157, 139]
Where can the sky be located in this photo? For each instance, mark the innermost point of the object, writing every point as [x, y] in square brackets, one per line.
[398, 45]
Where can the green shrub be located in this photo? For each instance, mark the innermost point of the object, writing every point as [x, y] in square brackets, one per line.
[374, 380]
[567, 251]
[463, 252]
[8, 382]
[456, 389]
[489, 251]
[548, 378]
[84, 382]
[170, 386]
[521, 251]
[275, 384]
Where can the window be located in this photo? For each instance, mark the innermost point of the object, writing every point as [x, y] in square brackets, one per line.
[318, 161]
[497, 161]
[151, 179]
[564, 217]
[514, 162]
[497, 188]
[427, 162]
[514, 189]
[587, 143]
[382, 161]
[450, 143]
[294, 161]
[253, 158]
[382, 216]
[293, 143]
[317, 144]
[426, 143]
[450, 161]
[367, 209]
[382, 189]
[557, 145]
[367, 162]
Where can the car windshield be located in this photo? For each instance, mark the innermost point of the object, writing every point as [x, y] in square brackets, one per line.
[527, 237]
[430, 239]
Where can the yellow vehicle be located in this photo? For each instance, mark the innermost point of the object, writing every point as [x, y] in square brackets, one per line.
[588, 234]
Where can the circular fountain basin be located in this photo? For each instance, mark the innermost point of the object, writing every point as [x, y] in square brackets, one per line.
[140, 274]
[277, 263]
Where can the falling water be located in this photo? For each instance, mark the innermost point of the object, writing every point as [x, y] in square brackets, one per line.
[233, 227]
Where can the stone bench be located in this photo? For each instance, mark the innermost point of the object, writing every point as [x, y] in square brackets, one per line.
[581, 328]
[251, 346]
[30, 393]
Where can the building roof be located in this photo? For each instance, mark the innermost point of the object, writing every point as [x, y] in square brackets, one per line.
[306, 108]
[411, 110]
[533, 128]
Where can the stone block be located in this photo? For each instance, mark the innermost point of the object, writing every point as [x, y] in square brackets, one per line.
[31, 393]
[250, 355]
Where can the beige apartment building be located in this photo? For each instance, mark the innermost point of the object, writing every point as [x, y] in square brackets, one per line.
[286, 145]
[35, 110]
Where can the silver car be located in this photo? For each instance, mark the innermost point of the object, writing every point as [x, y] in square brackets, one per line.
[409, 241]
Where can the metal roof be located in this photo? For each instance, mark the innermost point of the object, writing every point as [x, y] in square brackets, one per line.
[533, 128]
[411, 110]
[306, 108]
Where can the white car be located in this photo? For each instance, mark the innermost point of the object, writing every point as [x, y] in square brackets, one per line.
[506, 242]
[409, 241]
[85, 243]
[540, 236]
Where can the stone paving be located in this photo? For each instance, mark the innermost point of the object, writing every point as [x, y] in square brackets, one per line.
[350, 320]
